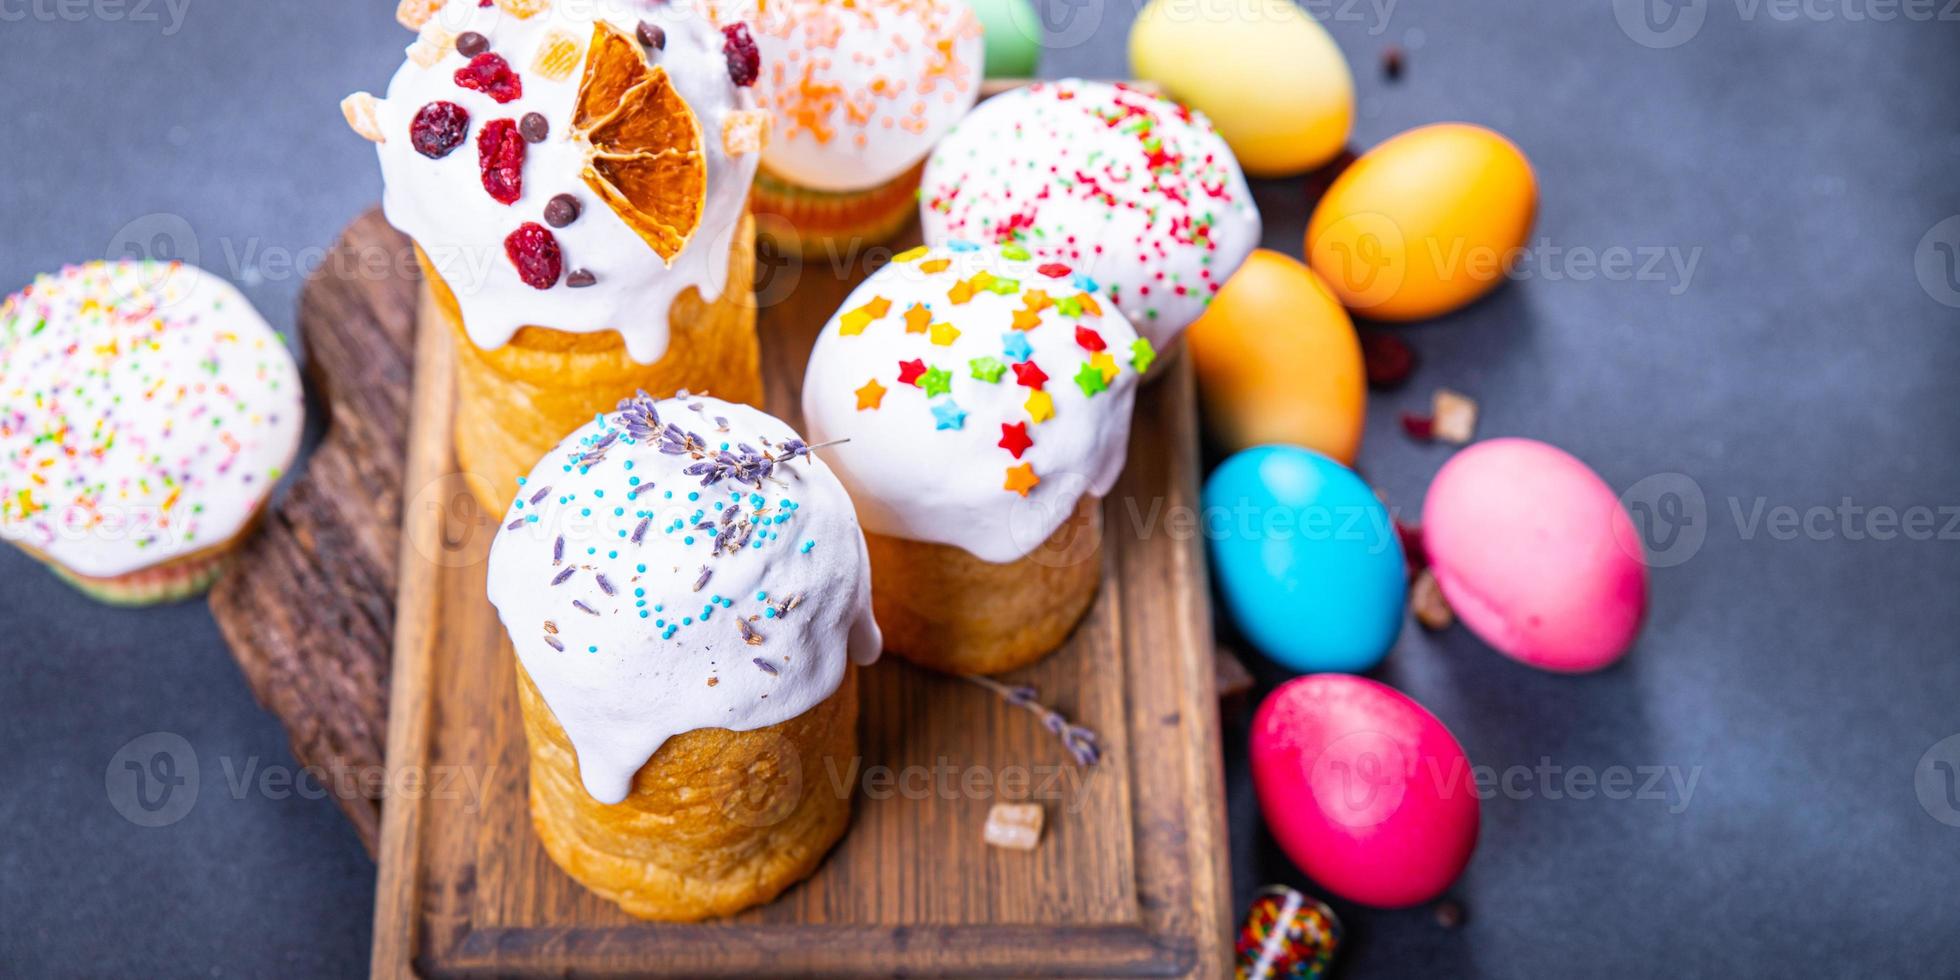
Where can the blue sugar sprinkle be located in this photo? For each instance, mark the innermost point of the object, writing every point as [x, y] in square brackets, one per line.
[633, 480]
[670, 494]
[591, 649]
[693, 495]
[688, 540]
[585, 512]
[591, 551]
[687, 621]
[619, 512]
[807, 545]
[598, 493]
[532, 519]
[612, 554]
[622, 533]
[769, 613]
[761, 596]
[522, 480]
[643, 614]
[641, 569]
[637, 593]
[660, 607]
[629, 465]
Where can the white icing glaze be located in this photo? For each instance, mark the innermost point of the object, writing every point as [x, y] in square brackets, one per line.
[443, 206]
[652, 659]
[1136, 190]
[861, 89]
[911, 477]
[146, 410]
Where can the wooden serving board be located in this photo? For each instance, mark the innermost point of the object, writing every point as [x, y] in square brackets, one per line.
[1130, 878]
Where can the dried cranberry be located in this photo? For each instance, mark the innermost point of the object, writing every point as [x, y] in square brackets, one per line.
[744, 60]
[490, 74]
[1421, 427]
[439, 128]
[469, 44]
[533, 249]
[500, 156]
[1389, 358]
[1412, 546]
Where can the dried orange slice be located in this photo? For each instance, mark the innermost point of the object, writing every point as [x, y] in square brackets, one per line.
[642, 141]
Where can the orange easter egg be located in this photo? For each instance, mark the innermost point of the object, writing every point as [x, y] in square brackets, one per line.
[1277, 360]
[1425, 223]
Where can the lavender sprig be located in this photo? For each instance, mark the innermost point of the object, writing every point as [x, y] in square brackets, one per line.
[1081, 743]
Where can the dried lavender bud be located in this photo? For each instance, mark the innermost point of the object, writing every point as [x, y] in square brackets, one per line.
[562, 576]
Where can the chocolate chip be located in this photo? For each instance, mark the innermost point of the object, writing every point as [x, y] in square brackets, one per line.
[469, 44]
[534, 127]
[652, 36]
[561, 211]
[580, 278]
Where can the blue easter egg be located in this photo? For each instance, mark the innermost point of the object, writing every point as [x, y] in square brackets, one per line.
[1307, 559]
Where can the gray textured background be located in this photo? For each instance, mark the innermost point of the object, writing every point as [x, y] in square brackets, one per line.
[1806, 160]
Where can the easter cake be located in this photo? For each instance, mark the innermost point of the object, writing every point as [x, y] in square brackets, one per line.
[1120, 184]
[858, 91]
[146, 411]
[981, 399]
[575, 177]
[686, 589]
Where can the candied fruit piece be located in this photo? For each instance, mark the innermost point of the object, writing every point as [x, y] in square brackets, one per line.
[1389, 359]
[412, 14]
[523, 9]
[533, 249]
[500, 156]
[558, 56]
[439, 128]
[643, 144]
[744, 59]
[490, 74]
[745, 131]
[359, 109]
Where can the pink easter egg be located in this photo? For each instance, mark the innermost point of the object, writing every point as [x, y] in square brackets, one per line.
[1364, 789]
[1536, 555]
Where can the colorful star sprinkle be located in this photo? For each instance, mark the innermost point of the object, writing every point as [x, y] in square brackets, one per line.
[960, 293]
[853, 323]
[1040, 406]
[1016, 347]
[1014, 438]
[912, 254]
[910, 371]
[935, 266]
[1089, 339]
[988, 369]
[936, 381]
[1106, 363]
[1026, 319]
[1090, 380]
[1021, 479]
[1028, 374]
[943, 334]
[947, 415]
[871, 395]
[1142, 355]
[917, 318]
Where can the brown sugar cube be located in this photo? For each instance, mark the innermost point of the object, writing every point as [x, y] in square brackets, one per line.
[1426, 598]
[1455, 417]
[1014, 825]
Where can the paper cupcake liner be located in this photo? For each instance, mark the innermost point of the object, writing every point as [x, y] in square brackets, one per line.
[814, 223]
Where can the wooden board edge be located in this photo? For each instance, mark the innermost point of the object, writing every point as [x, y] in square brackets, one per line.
[1208, 841]
[432, 413]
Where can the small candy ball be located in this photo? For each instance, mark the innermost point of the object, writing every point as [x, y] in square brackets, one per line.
[1307, 559]
[1425, 223]
[1287, 936]
[1364, 789]
[1277, 360]
[1535, 554]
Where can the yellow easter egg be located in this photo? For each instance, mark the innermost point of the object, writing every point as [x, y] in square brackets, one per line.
[1425, 223]
[1268, 76]
[1277, 360]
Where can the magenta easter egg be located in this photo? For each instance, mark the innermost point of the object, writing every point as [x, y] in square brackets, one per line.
[1536, 555]
[1364, 789]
